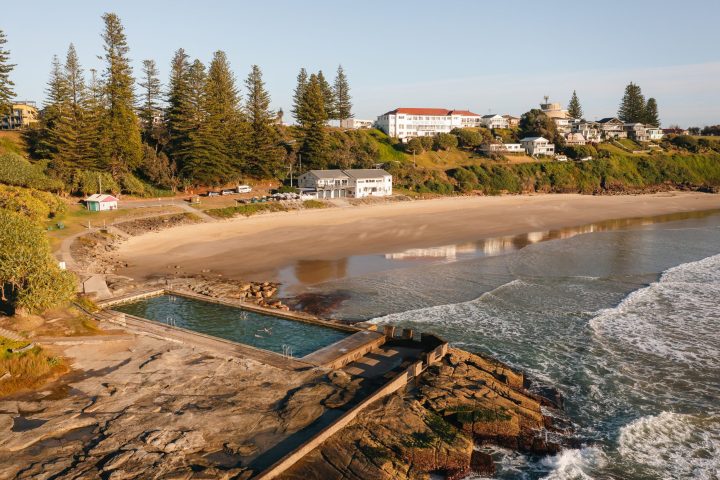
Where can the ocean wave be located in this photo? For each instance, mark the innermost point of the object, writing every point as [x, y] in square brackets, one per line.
[575, 464]
[674, 445]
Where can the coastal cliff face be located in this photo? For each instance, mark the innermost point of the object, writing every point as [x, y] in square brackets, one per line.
[433, 428]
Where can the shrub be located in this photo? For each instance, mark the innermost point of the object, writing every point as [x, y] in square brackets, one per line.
[577, 152]
[247, 210]
[29, 275]
[34, 204]
[468, 137]
[86, 182]
[15, 170]
[315, 204]
[445, 141]
[466, 180]
[414, 145]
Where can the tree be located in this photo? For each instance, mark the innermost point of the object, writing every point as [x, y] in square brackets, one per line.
[328, 97]
[468, 137]
[651, 113]
[341, 89]
[574, 108]
[150, 110]
[56, 100]
[30, 278]
[445, 141]
[535, 123]
[178, 116]
[121, 146]
[6, 85]
[265, 156]
[297, 107]
[414, 146]
[315, 143]
[632, 106]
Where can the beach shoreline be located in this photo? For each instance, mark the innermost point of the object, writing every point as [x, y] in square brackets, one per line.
[259, 246]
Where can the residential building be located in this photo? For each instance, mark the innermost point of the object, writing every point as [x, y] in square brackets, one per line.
[553, 110]
[406, 123]
[563, 125]
[637, 132]
[538, 146]
[494, 121]
[502, 148]
[358, 183]
[356, 123]
[612, 128]
[675, 131]
[575, 139]
[512, 121]
[23, 114]
[100, 202]
[591, 131]
[655, 133]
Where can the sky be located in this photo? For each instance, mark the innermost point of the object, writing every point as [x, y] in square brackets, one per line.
[488, 57]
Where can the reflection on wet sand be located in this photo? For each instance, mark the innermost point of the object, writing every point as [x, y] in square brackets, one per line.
[308, 272]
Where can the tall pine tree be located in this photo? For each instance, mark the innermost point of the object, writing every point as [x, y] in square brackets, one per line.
[178, 114]
[121, 146]
[264, 155]
[6, 85]
[343, 100]
[632, 106]
[297, 106]
[56, 100]
[574, 108]
[314, 148]
[652, 117]
[150, 107]
[328, 97]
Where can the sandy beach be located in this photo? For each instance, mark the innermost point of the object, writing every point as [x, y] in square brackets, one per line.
[259, 246]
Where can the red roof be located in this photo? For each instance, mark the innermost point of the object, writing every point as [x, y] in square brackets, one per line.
[432, 111]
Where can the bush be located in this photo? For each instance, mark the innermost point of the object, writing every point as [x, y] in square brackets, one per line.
[414, 145]
[29, 275]
[577, 152]
[15, 170]
[38, 206]
[445, 141]
[466, 180]
[286, 189]
[315, 204]
[87, 182]
[247, 209]
[468, 137]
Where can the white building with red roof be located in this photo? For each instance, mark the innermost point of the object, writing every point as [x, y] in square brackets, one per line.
[406, 123]
[100, 202]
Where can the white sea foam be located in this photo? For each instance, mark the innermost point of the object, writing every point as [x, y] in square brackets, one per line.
[674, 445]
[575, 464]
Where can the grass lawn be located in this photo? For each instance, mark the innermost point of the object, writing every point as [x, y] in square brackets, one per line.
[12, 142]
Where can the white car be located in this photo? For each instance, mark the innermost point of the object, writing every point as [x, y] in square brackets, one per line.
[244, 189]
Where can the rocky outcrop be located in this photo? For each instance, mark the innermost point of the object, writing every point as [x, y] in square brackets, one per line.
[464, 400]
[259, 293]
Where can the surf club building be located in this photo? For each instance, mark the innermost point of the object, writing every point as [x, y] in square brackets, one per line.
[406, 123]
[354, 183]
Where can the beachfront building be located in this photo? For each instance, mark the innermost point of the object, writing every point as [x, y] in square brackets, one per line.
[591, 131]
[637, 132]
[357, 183]
[356, 123]
[538, 146]
[575, 139]
[100, 202]
[406, 123]
[612, 128]
[494, 121]
[655, 133]
[502, 148]
[24, 113]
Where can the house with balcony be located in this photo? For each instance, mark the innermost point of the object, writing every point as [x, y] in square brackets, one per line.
[575, 139]
[22, 115]
[591, 131]
[538, 146]
[637, 132]
[612, 127]
[655, 133]
[406, 123]
[356, 183]
[512, 121]
[326, 183]
[494, 121]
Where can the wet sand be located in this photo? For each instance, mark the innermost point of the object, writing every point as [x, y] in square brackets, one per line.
[261, 246]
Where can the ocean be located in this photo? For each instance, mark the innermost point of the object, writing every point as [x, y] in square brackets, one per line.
[623, 319]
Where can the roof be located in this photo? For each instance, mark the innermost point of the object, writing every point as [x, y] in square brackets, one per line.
[438, 112]
[492, 115]
[100, 197]
[366, 173]
[328, 173]
[609, 119]
[533, 139]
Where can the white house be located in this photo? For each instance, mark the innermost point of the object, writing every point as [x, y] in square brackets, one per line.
[536, 146]
[358, 183]
[494, 121]
[612, 128]
[637, 132]
[356, 123]
[591, 131]
[406, 123]
[503, 148]
[100, 202]
[655, 133]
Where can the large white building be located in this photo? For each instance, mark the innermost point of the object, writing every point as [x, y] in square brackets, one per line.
[405, 123]
[494, 121]
[357, 183]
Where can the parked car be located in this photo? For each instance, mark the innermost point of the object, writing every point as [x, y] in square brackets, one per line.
[229, 192]
[213, 194]
[244, 189]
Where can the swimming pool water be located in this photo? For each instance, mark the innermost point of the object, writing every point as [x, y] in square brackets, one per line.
[231, 323]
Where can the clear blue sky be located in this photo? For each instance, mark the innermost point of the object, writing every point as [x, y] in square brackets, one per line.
[485, 56]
